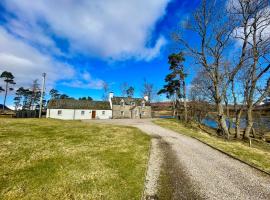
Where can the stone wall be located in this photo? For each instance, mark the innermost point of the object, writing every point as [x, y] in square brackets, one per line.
[120, 112]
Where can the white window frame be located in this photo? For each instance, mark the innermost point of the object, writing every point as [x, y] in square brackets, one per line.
[103, 112]
[82, 112]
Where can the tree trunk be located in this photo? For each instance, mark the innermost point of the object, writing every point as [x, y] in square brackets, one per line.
[185, 102]
[249, 123]
[5, 98]
[222, 120]
[237, 123]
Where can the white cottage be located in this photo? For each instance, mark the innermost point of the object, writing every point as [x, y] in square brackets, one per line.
[71, 109]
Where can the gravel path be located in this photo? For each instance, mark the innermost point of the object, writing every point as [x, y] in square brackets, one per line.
[153, 171]
[213, 174]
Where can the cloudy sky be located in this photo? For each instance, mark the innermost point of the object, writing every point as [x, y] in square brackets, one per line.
[80, 43]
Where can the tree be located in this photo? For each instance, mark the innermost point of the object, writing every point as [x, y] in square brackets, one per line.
[86, 98]
[9, 79]
[123, 88]
[65, 96]
[130, 91]
[217, 29]
[176, 81]
[35, 94]
[257, 64]
[18, 98]
[105, 95]
[148, 90]
[200, 96]
[54, 94]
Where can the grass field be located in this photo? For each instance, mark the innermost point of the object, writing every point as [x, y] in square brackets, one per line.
[51, 159]
[258, 155]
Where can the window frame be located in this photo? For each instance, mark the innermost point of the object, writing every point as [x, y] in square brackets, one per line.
[59, 112]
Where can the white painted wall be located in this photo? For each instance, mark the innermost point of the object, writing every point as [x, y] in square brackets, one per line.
[71, 114]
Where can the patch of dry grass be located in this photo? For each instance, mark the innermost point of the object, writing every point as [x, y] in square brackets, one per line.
[257, 155]
[52, 159]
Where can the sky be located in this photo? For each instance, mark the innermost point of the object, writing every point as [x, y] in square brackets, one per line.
[81, 44]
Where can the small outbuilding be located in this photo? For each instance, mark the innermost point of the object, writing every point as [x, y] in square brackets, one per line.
[71, 109]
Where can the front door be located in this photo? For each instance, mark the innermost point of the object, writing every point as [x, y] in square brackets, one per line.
[93, 114]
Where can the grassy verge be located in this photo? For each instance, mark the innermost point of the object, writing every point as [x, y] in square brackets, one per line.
[51, 159]
[258, 155]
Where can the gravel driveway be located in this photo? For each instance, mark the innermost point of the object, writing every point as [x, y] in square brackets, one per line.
[212, 174]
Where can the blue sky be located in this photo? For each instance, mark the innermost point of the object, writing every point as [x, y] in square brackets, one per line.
[80, 43]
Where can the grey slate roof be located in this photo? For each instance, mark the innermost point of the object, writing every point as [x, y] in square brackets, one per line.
[78, 104]
[128, 101]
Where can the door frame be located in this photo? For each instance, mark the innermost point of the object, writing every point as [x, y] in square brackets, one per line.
[94, 114]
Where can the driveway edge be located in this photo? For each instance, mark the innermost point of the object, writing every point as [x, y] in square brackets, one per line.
[253, 166]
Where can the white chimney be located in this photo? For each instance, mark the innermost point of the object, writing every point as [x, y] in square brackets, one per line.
[146, 98]
[110, 98]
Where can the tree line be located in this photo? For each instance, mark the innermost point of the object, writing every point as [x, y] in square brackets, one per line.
[232, 58]
[29, 98]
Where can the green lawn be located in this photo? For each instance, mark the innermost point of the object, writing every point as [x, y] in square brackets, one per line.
[52, 159]
[258, 155]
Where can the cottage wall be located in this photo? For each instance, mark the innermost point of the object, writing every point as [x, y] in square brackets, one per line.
[120, 112]
[71, 114]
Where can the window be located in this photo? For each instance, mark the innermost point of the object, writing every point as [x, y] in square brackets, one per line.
[122, 113]
[132, 103]
[103, 112]
[59, 112]
[82, 112]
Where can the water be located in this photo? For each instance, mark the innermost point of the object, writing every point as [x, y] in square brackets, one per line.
[166, 117]
[263, 123]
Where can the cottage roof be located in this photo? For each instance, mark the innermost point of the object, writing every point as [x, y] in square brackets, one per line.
[128, 101]
[78, 104]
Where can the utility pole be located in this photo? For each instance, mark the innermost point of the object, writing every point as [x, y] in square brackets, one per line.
[41, 96]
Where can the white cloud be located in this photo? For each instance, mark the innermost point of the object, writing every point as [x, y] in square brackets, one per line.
[117, 29]
[26, 63]
[85, 81]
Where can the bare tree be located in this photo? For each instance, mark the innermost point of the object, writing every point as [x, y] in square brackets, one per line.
[200, 97]
[258, 65]
[148, 90]
[35, 94]
[215, 27]
[123, 88]
[105, 95]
